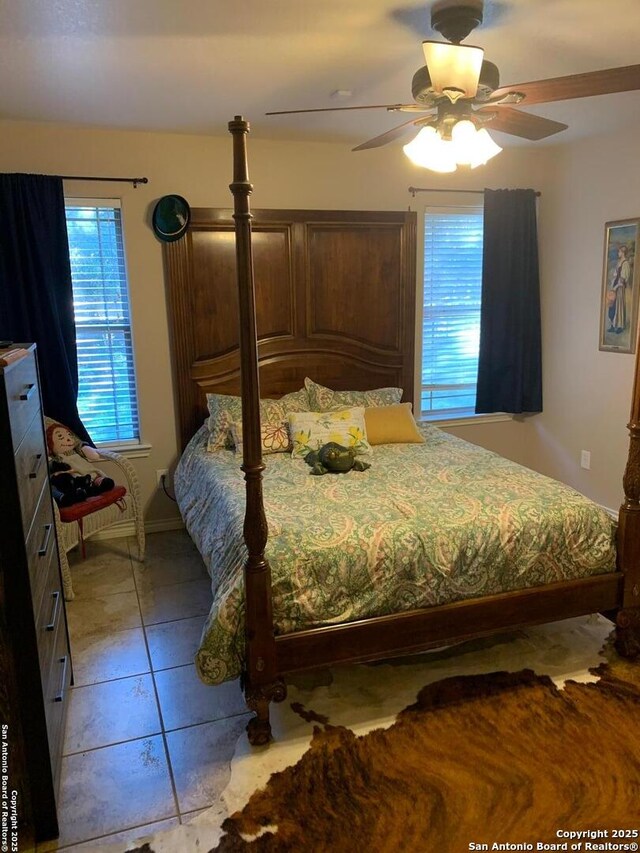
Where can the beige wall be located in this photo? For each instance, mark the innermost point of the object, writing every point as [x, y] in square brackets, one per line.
[314, 175]
[587, 393]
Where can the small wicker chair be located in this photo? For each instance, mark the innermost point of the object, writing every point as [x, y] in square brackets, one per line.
[128, 508]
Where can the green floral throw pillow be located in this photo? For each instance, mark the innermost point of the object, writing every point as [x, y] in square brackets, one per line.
[225, 410]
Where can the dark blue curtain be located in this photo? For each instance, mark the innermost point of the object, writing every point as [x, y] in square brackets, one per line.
[510, 361]
[36, 297]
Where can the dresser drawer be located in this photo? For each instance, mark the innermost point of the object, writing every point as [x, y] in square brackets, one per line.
[50, 615]
[41, 544]
[31, 470]
[23, 400]
[56, 697]
[32, 658]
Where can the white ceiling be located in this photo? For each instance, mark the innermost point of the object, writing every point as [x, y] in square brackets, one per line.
[191, 65]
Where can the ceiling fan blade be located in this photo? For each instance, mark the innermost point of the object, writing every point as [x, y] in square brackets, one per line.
[390, 107]
[625, 79]
[518, 123]
[390, 135]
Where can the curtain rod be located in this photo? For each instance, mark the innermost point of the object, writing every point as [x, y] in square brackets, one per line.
[414, 190]
[134, 181]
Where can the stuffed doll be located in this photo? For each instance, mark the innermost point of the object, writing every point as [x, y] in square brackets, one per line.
[66, 448]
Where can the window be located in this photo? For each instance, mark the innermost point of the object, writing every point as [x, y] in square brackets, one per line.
[451, 310]
[107, 400]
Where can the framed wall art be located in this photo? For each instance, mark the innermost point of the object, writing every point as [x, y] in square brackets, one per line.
[619, 301]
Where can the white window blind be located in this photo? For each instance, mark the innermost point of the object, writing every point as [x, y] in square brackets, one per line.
[107, 400]
[451, 310]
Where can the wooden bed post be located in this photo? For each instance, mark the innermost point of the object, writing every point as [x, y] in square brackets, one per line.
[628, 619]
[262, 683]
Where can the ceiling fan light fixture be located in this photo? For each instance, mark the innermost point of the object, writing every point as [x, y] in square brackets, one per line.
[484, 149]
[430, 151]
[467, 147]
[463, 139]
[454, 69]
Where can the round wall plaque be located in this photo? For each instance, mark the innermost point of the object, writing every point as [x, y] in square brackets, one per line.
[171, 217]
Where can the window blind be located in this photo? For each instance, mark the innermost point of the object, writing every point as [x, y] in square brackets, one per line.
[107, 400]
[451, 310]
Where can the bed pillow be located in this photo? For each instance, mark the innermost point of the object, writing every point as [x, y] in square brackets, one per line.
[323, 399]
[225, 410]
[310, 430]
[392, 425]
[274, 436]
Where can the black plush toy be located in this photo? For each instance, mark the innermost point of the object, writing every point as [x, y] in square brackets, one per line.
[69, 487]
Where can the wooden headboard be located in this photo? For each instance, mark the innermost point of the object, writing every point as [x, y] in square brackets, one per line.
[335, 300]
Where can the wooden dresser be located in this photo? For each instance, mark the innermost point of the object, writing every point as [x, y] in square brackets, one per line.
[35, 664]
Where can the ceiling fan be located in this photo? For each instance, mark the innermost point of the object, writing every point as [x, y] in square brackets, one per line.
[461, 92]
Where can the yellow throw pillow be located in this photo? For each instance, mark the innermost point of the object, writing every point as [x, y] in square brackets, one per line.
[392, 425]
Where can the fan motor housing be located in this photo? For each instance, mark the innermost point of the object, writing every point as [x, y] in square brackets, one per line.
[456, 22]
[422, 88]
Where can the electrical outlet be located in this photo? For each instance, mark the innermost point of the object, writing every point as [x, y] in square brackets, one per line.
[160, 473]
[585, 459]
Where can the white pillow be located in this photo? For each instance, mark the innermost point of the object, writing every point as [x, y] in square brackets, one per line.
[310, 430]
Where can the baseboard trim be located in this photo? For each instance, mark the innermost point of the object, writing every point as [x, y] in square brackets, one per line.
[127, 528]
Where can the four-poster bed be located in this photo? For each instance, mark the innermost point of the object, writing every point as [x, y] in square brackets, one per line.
[363, 341]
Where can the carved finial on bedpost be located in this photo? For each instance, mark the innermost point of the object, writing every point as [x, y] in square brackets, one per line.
[239, 128]
[262, 683]
[628, 619]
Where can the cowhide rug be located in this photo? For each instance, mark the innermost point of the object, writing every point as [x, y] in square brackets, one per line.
[481, 758]
[504, 757]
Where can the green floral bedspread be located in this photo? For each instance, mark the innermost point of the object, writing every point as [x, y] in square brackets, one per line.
[426, 524]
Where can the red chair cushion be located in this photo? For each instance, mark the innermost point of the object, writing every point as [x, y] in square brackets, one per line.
[76, 511]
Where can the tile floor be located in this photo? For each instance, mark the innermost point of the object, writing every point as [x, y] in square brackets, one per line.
[147, 745]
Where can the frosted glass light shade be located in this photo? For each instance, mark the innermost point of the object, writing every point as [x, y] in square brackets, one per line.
[484, 149]
[429, 150]
[454, 69]
[467, 146]
[464, 141]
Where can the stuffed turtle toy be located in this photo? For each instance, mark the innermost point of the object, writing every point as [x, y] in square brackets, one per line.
[333, 458]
